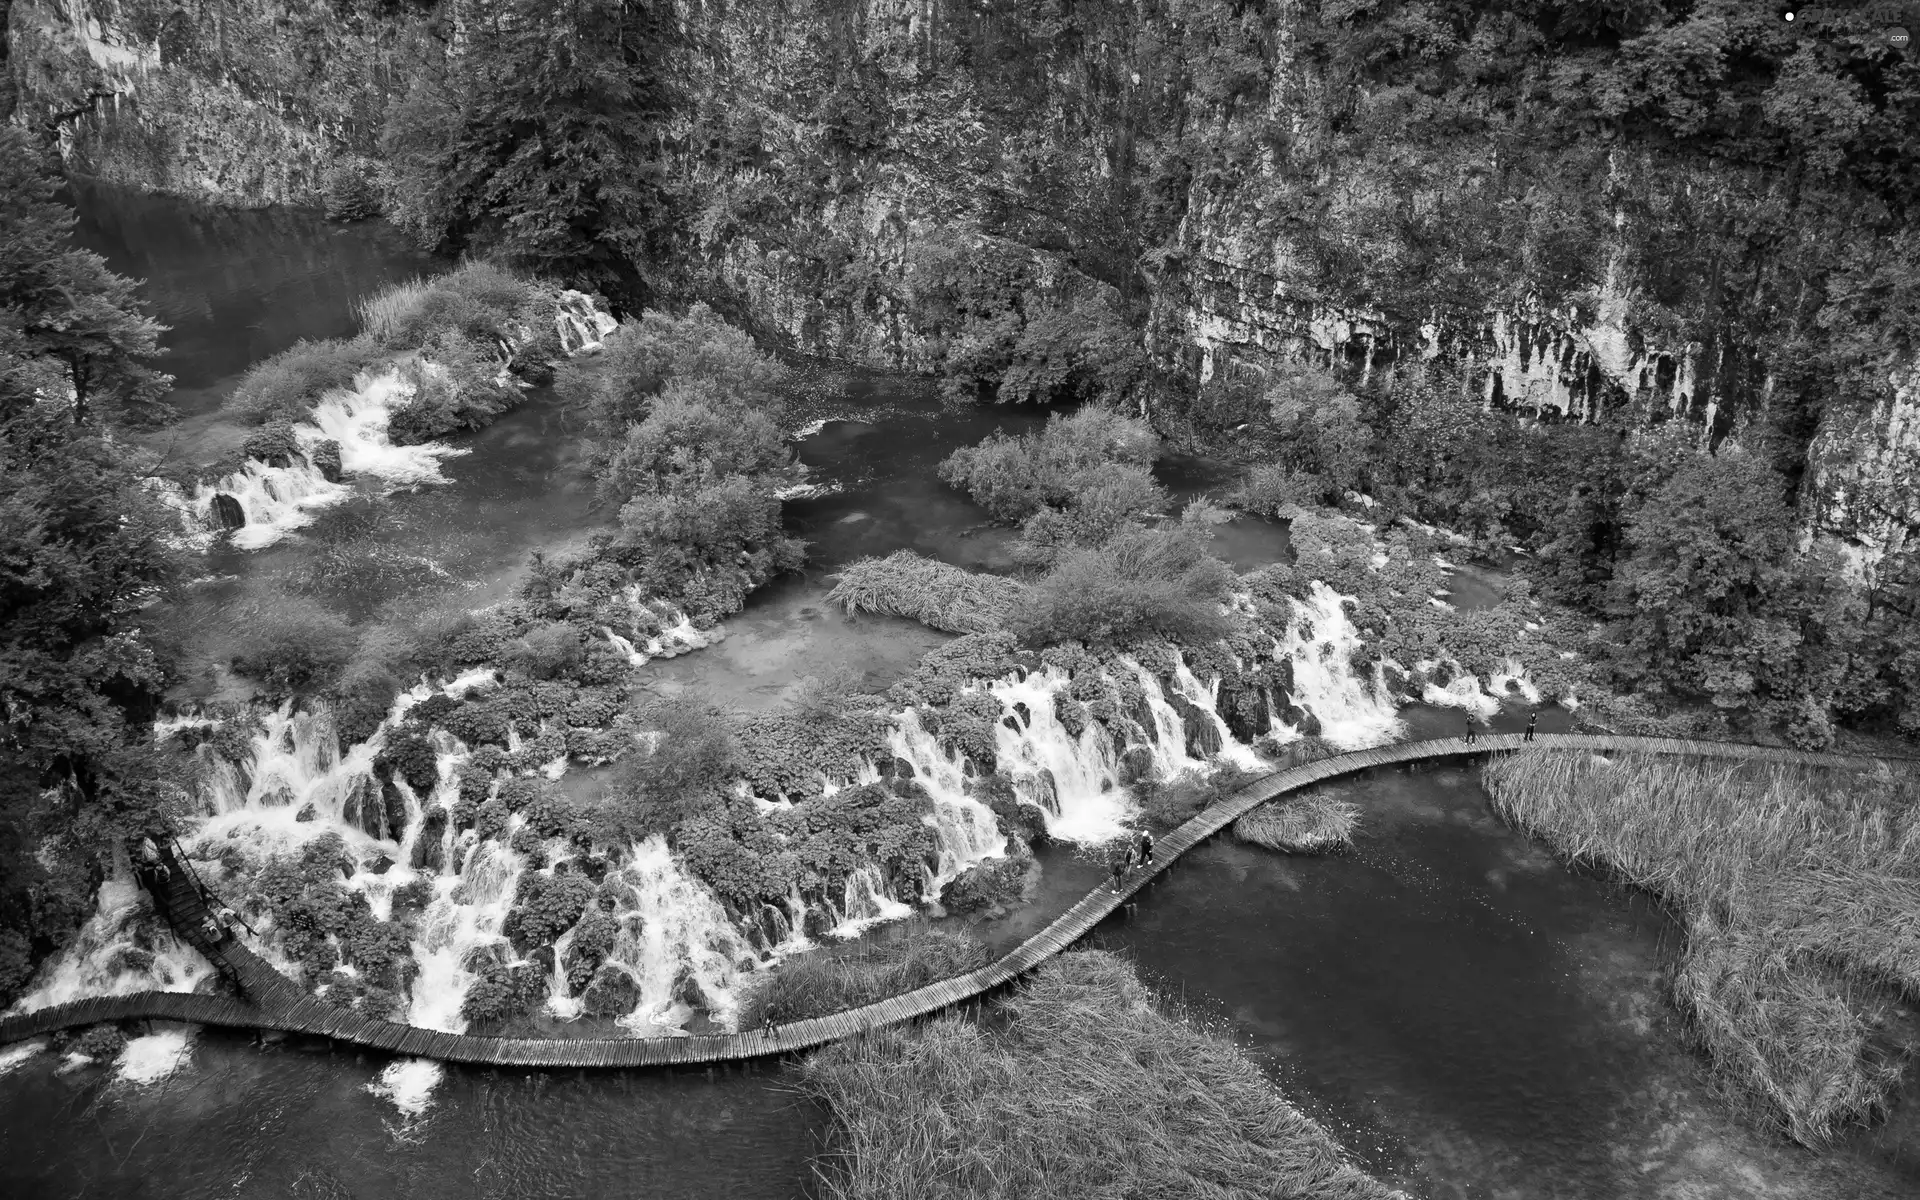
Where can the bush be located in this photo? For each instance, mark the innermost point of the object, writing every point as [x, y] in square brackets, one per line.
[617, 387]
[689, 438]
[546, 906]
[987, 886]
[909, 956]
[290, 643]
[349, 193]
[1271, 490]
[288, 385]
[693, 762]
[550, 650]
[273, 444]
[478, 302]
[456, 385]
[1143, 583]
[1013, 478]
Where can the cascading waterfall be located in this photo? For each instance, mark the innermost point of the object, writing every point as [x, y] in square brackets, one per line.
[124, 947]
[1463, 690]
[468, 910]
[675, 942]
[1353, 712]
[1074, 780]
[656, 629]
[276, 500]
[965, 831]
[581, 324]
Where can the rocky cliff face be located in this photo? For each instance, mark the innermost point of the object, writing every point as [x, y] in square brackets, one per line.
[240, 102]
[1181, 156]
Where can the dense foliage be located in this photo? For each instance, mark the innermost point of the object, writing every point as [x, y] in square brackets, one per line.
[539, 141]
[83, 547]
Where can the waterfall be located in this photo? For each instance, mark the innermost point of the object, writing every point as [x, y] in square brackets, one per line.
[582, 326]
[1206, 699]
[124, 947]
[1465, 691]
[154, 1056]
[660, 629]
[1353, 712]
[276, 500]
[675, 943]
[466, 914]
[965, 831]
[1074, 781]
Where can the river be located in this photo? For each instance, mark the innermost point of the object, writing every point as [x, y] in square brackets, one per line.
[1471, 1019]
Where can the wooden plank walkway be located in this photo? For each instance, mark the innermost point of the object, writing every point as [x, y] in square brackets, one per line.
[272, 1001]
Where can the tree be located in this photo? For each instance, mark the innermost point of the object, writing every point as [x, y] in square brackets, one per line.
[83, 546]
[541, 138]
[66, 307]
[1707, 596]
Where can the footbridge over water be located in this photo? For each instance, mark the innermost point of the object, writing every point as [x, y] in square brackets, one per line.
[271, 1001]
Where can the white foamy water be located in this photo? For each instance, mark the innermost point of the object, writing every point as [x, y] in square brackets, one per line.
[13, 1057]
[123, 948]
[582, 326]
[965, 831]
[155, 1056]
[1074, 781]
[675, 943]
[278, 500]
[409, 1085]
[1353, 712]
[466, 915]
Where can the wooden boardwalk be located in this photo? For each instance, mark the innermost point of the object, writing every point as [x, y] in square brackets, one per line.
[273, 1002]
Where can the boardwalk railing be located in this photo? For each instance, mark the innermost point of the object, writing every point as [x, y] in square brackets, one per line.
[274, 1002]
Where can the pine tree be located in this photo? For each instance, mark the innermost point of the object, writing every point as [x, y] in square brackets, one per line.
[70, 308]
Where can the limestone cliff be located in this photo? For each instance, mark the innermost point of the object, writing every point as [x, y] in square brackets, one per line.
[1183, 157]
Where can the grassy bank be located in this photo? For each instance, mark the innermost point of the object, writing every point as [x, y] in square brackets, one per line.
[1082, 1084]
[1799, 890]
[815, 984]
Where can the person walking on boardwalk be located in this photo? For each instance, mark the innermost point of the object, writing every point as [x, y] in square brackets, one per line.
[769, 1030]
[1146, 847]
[1532, 720]
[1121, 861]
[1469, 729]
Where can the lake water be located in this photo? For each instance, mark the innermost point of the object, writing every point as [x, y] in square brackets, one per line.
[1470, 1019]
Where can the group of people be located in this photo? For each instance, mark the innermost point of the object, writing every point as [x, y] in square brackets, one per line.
[220, 919]
[1138, 853]
[1533, 719]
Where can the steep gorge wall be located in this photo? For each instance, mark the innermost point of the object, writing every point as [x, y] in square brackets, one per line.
[1177, 153]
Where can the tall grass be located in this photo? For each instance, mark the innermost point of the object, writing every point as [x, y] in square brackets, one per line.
[1307, 825]
[815, 984]
[1799, 889]
[934, 593]
[477, 300]
[1083, 1085]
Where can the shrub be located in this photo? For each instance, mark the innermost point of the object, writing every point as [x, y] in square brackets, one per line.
[929, 591]
[988, 885]
[693, 761]
[686, 441]
[456, 385]
[478, 302]
[617, 387]
[1142, 583]
[288, 385]
[1277, 491]
[546, 906]
[1013, 478]
[349, 193]
[909, 956]
[549, 650]
[290, 643]
[100, 1041]
[273, 444]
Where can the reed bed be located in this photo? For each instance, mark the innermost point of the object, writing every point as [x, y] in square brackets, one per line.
[1798, 888]
[1310, 824]
[903, 584]
[815, 984]
[1080, 1085]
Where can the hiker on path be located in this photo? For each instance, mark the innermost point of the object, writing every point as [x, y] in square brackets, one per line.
[1469, 729]
[1146, 848]
[1532, 719]
[769, 1030]
[150, 859]
[1120, 864]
